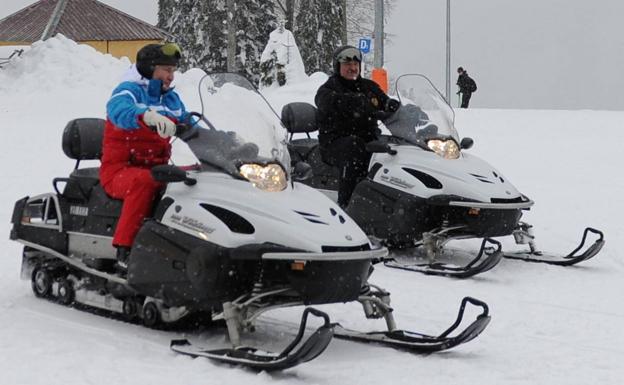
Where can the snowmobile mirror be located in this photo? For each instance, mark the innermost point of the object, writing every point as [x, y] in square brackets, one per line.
[377, 146]
[466, 143]
[167, 173]
[302, 171]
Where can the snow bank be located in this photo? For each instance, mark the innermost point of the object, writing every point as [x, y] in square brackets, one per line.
[60, 63]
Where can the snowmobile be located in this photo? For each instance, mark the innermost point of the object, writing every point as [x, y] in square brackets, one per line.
[423, 189]
[233, 235]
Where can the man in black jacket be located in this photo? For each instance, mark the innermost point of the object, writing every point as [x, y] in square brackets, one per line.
[348, 109]
[466, 86]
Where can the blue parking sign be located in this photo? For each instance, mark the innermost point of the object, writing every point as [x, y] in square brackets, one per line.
[365, 45]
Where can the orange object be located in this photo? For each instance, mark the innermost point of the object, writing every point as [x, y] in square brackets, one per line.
[380, 76]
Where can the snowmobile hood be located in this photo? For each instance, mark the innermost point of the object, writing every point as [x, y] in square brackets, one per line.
[425, 174]
[232, 212]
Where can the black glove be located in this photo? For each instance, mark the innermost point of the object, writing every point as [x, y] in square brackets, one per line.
[392, 105]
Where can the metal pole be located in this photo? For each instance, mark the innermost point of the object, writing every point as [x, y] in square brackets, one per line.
[378, 58]
[448, 51]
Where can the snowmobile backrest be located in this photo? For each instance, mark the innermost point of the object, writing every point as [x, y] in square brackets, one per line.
[299, 117]
[82, 138]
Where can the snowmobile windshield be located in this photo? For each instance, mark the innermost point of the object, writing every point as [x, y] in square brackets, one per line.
[238, 128]
[424, 114]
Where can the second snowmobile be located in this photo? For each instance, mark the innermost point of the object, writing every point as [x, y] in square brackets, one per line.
[423, 189]
[232, 236]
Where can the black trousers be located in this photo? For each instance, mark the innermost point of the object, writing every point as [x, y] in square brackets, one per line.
[465, 99]
[350, 156]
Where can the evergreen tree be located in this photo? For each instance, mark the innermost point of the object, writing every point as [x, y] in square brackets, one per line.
[319, 30]
[201, 30]
[255, 19]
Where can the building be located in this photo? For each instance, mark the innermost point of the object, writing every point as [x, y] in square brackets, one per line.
[101, 26]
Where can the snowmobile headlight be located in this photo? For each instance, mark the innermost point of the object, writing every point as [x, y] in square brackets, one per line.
[270, 177]
[447, 149]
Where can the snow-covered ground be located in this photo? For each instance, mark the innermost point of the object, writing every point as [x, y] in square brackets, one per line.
[550, 325]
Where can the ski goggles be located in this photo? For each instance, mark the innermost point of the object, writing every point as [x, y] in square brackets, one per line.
[349, 54]
[171, 50]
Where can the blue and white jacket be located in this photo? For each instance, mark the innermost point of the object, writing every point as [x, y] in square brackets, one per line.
[135, 95]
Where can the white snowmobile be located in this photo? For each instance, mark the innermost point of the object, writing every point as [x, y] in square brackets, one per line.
[235, 237]
[423, 191]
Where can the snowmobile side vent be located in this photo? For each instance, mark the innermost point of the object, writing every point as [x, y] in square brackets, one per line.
[233, 221]
[310, 217]
[424, 178]
[482, 178]
[315, 221]
[306, 214]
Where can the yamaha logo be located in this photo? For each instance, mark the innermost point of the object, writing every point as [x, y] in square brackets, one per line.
[79, 210]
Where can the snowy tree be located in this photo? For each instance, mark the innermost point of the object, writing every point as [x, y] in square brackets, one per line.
[207, 30]
[199, 28]
[281, 62]
[361, 18]
[318, 30]
[255, 19]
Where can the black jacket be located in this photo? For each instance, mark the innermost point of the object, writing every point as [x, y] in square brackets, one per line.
[348, 107]
[466, 84]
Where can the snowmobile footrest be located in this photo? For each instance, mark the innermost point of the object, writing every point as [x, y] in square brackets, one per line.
[484, 261]
[571, 259]
[422, 343]
[260, 360]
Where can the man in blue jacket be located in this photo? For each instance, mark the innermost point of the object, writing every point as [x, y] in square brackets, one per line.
[141, 117]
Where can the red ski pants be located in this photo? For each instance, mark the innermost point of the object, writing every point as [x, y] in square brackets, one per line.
[136, 187]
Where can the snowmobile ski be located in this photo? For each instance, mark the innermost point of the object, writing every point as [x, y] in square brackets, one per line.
[485, 260]
[422, 343]
[256, 359]
[573, 258]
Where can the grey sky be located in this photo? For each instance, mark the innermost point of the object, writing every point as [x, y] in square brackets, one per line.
[561, 54]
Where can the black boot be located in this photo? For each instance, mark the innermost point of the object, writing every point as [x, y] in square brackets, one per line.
[122, 260]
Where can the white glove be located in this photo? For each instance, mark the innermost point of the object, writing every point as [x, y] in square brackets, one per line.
[163, 125]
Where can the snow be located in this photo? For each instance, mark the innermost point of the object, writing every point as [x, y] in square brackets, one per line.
[550, 325]
[283, 47]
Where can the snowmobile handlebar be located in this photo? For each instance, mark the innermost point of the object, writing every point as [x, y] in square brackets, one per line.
[377, 146]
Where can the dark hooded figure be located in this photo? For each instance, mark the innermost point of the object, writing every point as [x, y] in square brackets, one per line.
[466, 86]
[348, 109]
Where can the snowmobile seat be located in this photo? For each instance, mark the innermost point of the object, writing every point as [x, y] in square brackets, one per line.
[81, 182]
[82, 140]
[300, 118]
